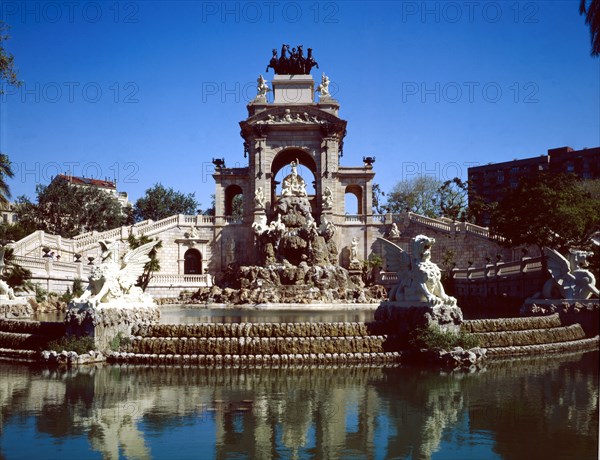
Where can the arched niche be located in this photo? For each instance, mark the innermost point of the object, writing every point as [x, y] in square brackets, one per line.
[192, 262]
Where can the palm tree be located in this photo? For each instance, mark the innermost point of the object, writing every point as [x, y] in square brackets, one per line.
[592, 17]
[5, 171]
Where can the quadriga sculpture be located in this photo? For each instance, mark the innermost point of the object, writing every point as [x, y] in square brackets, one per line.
[569, 277]
[419, 279]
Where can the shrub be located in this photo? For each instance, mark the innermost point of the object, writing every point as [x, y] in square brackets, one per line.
[433, 338]
[79, 345]
[119, 340]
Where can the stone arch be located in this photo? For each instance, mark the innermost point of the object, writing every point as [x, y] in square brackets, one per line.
[284, 157]
[356, 191]
[192, 262]
[230, 193]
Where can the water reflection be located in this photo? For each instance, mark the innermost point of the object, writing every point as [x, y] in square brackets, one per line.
[512, 410]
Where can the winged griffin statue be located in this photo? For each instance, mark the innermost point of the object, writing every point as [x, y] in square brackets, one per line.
[569, 276]
[419, 279]
[113, 281]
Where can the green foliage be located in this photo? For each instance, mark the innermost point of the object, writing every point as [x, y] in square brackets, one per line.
[40, 294]
[237, 206]
[592, 18]
[151, 267]
[160, 202]
[79, 345]
[118, 340]
[452, 199]
[418, 195]
[378, 206]
[67, 210]
[433, 338]
[78, 287]
[5, 167]
[13, 232]
[73, 293]
[14, 274]
[8, 73]
[547, 210]
[209, 211]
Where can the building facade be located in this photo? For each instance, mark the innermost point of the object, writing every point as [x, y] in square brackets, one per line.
[490, 182]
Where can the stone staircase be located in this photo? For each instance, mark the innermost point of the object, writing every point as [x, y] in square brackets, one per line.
[259, 344]
[529, 336]
[23, 340]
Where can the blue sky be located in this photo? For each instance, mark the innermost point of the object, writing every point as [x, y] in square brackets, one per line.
[151, 91]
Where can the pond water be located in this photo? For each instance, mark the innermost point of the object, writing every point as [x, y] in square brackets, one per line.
[520, 409]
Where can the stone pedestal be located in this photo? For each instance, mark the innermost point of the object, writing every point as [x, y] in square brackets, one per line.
[105, 323]
[405, 317]
[293, 89]
[14, 308]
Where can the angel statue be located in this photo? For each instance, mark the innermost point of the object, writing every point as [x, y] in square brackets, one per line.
[569, 277]
[262, 88]
[419, 279]
[113, 281]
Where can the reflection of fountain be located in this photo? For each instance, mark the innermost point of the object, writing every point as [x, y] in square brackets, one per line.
[298, 256]
[523, 409]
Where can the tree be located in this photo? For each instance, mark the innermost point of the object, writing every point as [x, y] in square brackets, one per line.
[7, 69]
[547, 210]
[160, 202]
[13, 274]
[452, 199]
[418, 195]
[592, 18]
[67, 210]
[150, 267]
[5, 171]
[378, 194]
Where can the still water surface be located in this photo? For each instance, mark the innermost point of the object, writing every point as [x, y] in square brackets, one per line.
[521, 409]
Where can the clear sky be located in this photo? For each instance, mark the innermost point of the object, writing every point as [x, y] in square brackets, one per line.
[151, 91]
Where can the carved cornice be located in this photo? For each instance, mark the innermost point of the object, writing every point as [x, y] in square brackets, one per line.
[293, 117]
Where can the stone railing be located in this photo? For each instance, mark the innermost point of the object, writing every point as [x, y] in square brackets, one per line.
[181, 280]
[355, 218]
[500, 269]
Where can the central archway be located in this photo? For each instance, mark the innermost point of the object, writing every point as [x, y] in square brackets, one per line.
[281, 164]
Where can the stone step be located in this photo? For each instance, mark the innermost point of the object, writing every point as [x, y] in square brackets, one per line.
[390, 358]
[530, 337]
[259, 345]
[50, 329]
[17, 341]
[18, 355]
[588, 344]
[238, 330]
[511, 324]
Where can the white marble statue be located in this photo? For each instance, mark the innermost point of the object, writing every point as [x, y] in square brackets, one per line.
[277, 227]
[259, 198]
[394, 232]
[419, 279]
[113, 283]
[327, 198]
[293, 184]
[570, 277]
[260, 225]
[354, 250]
[262, 88]
[192, 234]
[326, 227]
[323, 88]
